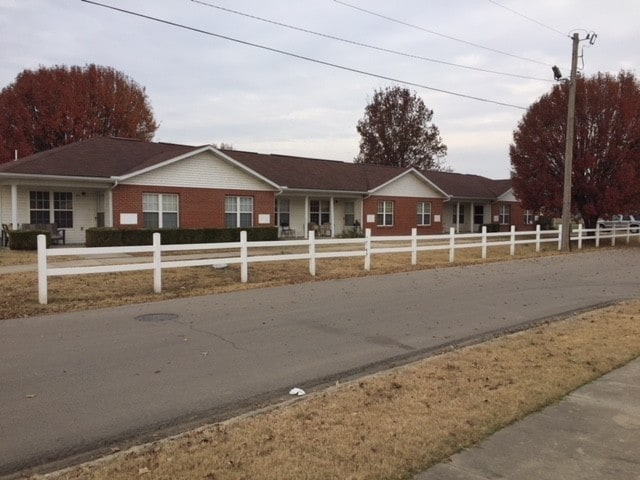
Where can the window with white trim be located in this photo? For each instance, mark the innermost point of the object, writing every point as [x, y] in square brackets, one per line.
[505, 215]
[42, 209]
[39, 207]
[424, 213]
[160, 210]
[238, 211]
[319, 211]
[528, 217]
[63, 209]
[458, 219]
[283, 208]
[385, 213]
[349, 214]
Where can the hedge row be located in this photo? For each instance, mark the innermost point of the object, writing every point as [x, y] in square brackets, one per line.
[27, 239]
[109, 237]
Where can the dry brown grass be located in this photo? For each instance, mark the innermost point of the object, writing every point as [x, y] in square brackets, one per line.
[396, 423]
[19, 297]
[16, 257]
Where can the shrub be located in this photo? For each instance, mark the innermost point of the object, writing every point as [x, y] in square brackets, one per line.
[492, 227]
[27, 239]
[103, 237]
[546, 223]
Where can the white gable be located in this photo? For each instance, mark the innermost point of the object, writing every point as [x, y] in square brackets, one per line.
[203, 170]
[409, 185]
[508, 196]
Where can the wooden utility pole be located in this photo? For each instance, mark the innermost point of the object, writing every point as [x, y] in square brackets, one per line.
[568, 153]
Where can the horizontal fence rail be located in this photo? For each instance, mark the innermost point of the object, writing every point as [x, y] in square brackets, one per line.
[222, 254]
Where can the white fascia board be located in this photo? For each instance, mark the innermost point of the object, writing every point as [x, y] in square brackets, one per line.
[57, 178]
[196, 151]
[335, 193]
[418, 174]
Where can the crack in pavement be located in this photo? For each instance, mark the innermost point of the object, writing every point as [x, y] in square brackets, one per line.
[212, 334]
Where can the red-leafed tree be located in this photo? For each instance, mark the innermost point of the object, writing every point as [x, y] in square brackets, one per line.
[606, 153]
[50, 107]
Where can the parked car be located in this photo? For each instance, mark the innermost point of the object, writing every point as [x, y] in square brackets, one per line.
[621, 222]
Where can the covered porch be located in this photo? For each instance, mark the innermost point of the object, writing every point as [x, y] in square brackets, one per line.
[328, 216]
[465, 215]
[71, 207]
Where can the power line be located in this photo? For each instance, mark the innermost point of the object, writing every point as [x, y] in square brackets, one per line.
[529, 18]
[406, 24]
[365, 45]
[301, 57]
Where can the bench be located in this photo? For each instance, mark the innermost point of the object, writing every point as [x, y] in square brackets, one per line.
[57, 235]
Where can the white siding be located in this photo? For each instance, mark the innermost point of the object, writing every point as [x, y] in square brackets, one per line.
[84, 208]
[201, 171]
[508, 197]
[408, 186]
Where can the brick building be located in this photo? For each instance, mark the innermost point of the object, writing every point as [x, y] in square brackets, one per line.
[126, 183]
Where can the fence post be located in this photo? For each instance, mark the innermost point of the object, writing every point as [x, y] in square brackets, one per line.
[367, 249]
[414, 246]
[560, 238]
[484, 242]
[452, 244]
[312, 253]
[513, 240]
[42, 269]
[244, 257]
[579, 236]
[157, 264]
[538, 238]
[597, 235]
[613, 236]
[628, 233]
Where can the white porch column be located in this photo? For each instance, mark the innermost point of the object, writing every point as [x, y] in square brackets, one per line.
[472, 216]
[332, 216]
[108, 208]
[306, 216]
[457, 217]
[14, 206]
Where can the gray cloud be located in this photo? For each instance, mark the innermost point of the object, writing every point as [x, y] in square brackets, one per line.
[205, 89]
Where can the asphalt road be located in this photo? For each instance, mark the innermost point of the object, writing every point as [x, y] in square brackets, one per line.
[80, 382]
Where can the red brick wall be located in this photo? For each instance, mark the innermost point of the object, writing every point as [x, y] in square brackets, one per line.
[405, 216]
[517, 216]
[198, 207]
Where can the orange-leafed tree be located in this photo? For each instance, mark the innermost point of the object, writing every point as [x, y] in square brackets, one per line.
[606, 152]
[51, 107]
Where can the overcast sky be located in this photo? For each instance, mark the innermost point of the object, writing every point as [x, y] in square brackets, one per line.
[208, 89]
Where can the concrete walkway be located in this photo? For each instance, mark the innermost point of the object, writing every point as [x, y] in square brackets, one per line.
[592, 434]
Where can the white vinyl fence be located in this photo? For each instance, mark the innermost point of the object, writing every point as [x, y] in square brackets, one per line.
[238, 252]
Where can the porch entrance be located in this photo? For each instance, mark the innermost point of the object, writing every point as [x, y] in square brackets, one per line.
[478, 217]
